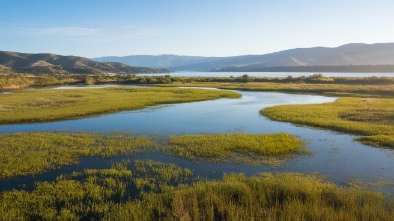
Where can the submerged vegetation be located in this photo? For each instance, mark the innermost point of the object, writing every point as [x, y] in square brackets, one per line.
[48, 105]
[259, 148]
[373, 118]
[157, 191]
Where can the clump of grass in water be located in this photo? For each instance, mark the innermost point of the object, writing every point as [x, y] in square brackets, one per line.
[250, 148]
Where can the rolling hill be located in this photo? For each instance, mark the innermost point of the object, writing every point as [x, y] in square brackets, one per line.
[54, 64]
[356, 57]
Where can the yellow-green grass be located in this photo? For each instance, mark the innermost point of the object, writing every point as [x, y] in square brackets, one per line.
[373, 118]
[15, 82]
[166, 194]
[48, 105]
[349, 90]
[257, 148]
[25, 154]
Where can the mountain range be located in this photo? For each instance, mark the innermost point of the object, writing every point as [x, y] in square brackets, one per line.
[357, 57]
[55, 64]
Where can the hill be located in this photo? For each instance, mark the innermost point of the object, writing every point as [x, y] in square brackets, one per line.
[54, 64]
[357, 57]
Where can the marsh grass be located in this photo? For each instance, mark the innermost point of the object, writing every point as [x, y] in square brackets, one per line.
[159, 191]
[239, 148]
[371, 118]
[337, 90]
[24, 154]
[48, 105]
[367, 185]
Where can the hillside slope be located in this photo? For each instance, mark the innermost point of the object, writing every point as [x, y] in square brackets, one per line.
[342, 56]
[51, 64]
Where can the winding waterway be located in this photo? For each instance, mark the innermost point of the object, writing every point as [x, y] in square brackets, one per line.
[333, 154]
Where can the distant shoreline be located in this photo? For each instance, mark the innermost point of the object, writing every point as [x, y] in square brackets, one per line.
[315, 69]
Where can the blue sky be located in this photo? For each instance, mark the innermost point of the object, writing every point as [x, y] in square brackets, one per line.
[95, 28]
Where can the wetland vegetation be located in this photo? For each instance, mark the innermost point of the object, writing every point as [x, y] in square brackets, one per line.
[365, 106]
[252, 148]
[29, 106]
[150, 190]
[329, 89]
[245, 82]
[156, 191]
[26, 154]
[373, 118]
[33, 153]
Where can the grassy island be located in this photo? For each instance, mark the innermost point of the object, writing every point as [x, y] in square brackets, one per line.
[256, 148]
[28, 106]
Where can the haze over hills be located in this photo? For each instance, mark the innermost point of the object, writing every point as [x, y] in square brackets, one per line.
[51, 64]
[361, 57]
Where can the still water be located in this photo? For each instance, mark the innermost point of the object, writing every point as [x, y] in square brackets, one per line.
[333, 154]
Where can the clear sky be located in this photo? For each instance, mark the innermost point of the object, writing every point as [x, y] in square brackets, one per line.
[95, 28]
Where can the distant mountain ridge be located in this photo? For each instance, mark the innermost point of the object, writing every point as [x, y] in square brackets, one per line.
[358, 54]
[51, 64]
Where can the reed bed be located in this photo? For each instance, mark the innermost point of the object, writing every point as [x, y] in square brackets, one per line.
[167, 194]
[28, 106]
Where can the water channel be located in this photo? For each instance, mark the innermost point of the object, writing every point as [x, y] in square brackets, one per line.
[335, 155]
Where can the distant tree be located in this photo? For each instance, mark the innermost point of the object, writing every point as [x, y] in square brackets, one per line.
[142, 80]
[245, 78]
[316, 76]
[100, 78]
[131, 77]
[289, 78]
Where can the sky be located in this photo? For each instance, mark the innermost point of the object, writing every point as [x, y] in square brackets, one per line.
[96, 28]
